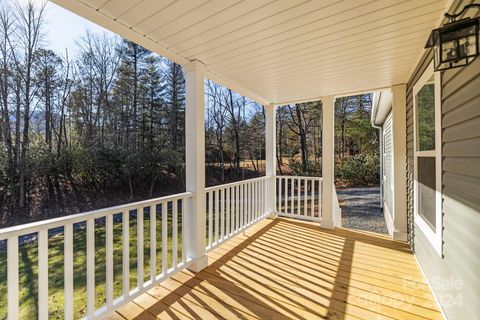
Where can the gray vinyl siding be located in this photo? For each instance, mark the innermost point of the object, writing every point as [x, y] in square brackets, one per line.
[387, 184]
[455, 277]
[423, 64]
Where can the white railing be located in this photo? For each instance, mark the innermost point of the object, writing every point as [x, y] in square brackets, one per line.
[233, 207]
[169, 217]
[299, 197]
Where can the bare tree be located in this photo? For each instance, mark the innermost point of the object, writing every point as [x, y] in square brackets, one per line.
[29, 18]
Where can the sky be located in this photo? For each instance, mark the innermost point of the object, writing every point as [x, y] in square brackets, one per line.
[63, 28]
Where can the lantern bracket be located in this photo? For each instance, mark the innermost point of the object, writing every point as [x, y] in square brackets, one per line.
[453, 16]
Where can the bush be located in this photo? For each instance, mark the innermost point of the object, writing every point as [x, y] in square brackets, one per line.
[314, 169]
[362, 169]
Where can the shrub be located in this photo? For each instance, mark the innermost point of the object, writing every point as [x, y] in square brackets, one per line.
[361, 169]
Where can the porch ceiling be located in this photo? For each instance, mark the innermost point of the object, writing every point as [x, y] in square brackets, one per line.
[279, 51]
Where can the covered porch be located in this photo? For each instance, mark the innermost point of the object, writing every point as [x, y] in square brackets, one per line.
[286, 269]
[233, 251]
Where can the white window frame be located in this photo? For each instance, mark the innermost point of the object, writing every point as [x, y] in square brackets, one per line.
[433, 236]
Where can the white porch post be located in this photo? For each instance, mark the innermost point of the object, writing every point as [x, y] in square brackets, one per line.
[399, 147]
[195, 164]
[328, 157]
[271, 156]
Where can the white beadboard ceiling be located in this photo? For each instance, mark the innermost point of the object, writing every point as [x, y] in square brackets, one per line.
[279, 51]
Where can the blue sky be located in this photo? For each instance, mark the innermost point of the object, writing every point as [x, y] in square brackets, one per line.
[63, 28]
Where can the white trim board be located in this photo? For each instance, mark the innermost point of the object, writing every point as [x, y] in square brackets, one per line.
[434, 236]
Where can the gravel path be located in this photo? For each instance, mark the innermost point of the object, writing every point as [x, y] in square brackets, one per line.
[361, 209]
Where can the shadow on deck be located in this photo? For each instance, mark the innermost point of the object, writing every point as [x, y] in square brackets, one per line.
[283, 269]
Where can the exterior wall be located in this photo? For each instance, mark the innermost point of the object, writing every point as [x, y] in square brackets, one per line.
[387, 169]
[423, 64]
[387, 178]
[455, 276]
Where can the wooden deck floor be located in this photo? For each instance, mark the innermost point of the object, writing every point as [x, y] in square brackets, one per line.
[283, 269]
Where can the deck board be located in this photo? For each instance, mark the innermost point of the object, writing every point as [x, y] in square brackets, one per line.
[284, 269]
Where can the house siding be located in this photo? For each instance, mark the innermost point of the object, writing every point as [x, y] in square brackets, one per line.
[421, 67]
[455, 276]
[388, 182]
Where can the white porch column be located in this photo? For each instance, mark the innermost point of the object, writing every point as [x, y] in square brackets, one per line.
[271, 156]
[399, 147]
[328, 157]
[195, 164]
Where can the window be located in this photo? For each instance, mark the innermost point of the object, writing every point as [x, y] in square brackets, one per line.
[427, 157]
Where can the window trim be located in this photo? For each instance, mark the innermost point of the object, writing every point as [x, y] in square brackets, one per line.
[433, 236]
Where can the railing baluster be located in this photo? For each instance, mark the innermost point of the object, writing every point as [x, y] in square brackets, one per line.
[249, 202]
[299, 186]
[174, 233]
[312, 201]
[285, 210]
[237, 210]
[210, 217]
[219, 217]
[262, 190]
[259, 211]
[253, 202]
[140, 244]
[126, 253]
[43, 274]
[227, 224]
[292, 196]
[164, 237]
[256, 197]
[217, 214]
[279, 199]
[90, 267]
[305, 188]
[68, 271]
[13, 283]
[234, 209]
[265, 197]
[320, 192]
[153, 242]
[256, 210]
[184, 230]
[109, 260]
[222, 214]
[242, 206]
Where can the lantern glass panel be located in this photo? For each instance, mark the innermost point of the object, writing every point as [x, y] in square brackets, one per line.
[455, 34]
[458, 44]
[449, 50]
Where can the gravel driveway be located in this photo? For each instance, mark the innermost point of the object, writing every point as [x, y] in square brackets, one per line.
[361, 209]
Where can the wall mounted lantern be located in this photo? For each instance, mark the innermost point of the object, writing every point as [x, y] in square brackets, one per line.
[455, 44]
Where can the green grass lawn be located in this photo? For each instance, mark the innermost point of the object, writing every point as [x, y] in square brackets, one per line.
[28, 267]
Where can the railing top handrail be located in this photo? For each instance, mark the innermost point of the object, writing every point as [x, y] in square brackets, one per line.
[231, 184]
[32, 227]
[299, 177]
